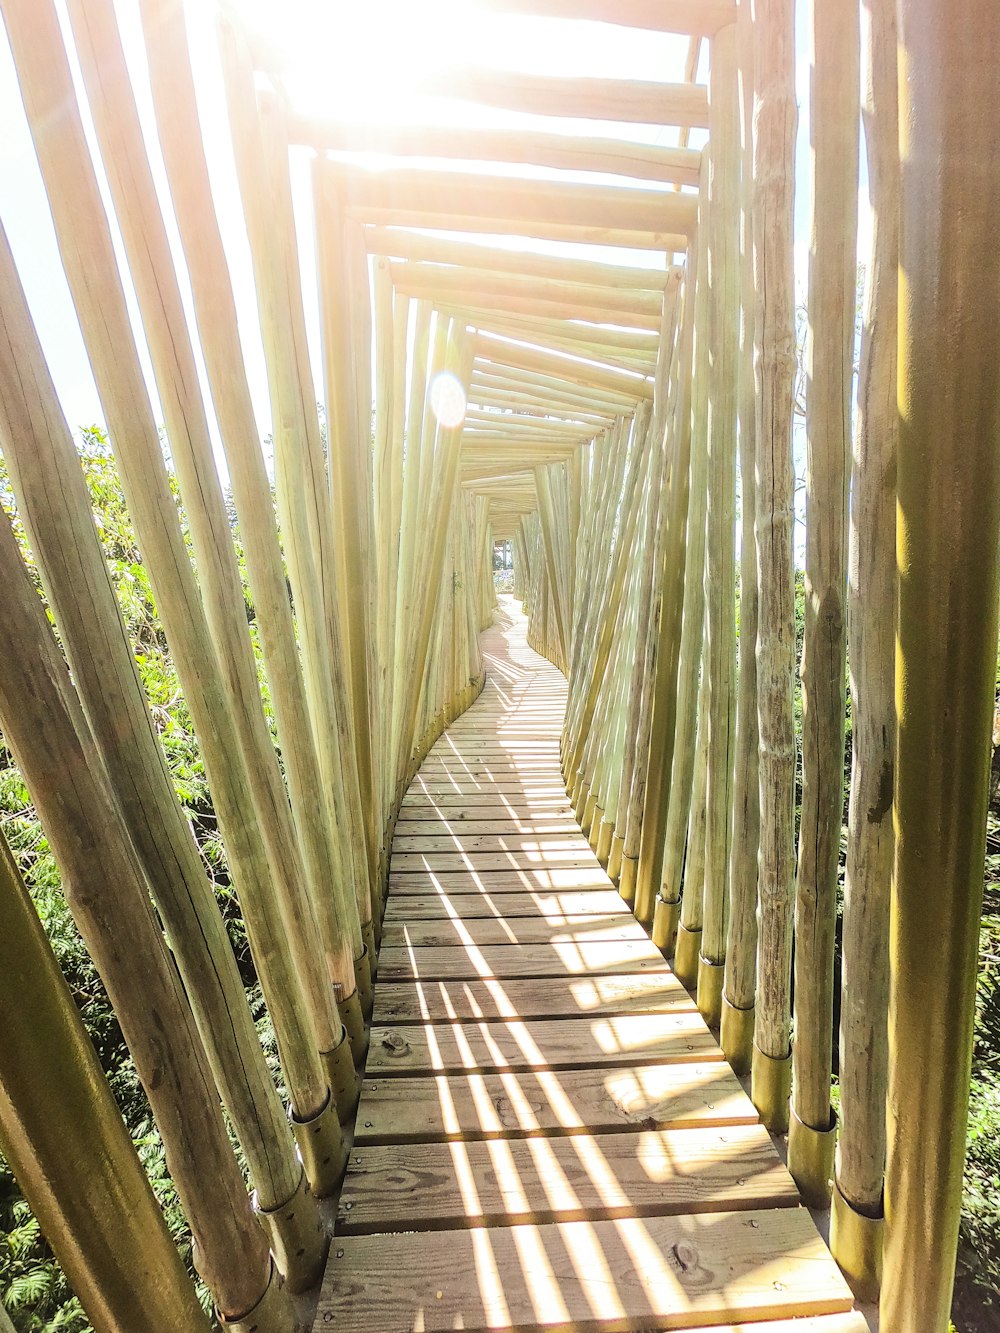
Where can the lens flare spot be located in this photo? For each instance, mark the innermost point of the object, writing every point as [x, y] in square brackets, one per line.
[448, 400]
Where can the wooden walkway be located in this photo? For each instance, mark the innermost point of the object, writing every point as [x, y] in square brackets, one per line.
[548, 1136]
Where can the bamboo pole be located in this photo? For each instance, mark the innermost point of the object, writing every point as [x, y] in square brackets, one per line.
[59, 1124]
[215, 312]
[856, 1222]
[948, 480]
[736, 1028]
[832, 304]
[54, 506]
[40, 715]
[775, 118]
[276, 930]
[673, 793]
[692, 913]
[720, 564]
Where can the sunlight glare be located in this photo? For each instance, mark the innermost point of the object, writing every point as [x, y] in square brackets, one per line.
[448, 400]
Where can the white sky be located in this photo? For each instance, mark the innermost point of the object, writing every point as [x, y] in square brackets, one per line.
[338, 76]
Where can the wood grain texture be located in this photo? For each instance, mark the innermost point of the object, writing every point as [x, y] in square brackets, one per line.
[563, 959]
[550, 907]
[530, 930]
[439, 1186]
[543, 997]
[652, 1273]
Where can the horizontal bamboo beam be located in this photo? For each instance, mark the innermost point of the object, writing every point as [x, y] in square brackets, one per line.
[631, 100]
[499, 200]
[484, 286]
[534, 420]
[568, 233]
[495, 351]
[485, 322]
[617, 157]
[542, 388]
[398, 243]
[697, 17]
[637, 343]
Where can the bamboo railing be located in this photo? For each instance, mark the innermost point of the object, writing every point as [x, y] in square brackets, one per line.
[625, 422]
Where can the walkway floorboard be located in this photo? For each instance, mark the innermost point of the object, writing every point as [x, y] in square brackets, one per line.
[548, 1135]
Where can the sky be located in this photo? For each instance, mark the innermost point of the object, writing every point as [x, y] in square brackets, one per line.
[327, 77]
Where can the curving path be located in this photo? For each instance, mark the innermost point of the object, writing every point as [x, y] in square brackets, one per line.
[548, 1135]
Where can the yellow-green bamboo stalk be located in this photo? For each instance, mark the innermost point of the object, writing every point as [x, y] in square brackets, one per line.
[736, 1029]
[832, 303]
[720, 564]
[692, 911]
[40, 716]
[775, 117]
[856, 1222]
[948, 478]
[53, 503]
[187, 171]
[59, 1123]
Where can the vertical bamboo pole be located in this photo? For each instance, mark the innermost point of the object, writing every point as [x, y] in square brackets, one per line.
[320, 965]
[690, 529]
[829, 382]
[278, 936]
[736, 1030]
[856, 1221]
[59, 1125]
[40, 715]
[692, 912]
[775, 119]
[313, 801]
[53, 503]
[720, 565]
[947, 534]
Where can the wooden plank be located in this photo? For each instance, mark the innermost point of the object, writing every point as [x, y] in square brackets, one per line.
[572, 1101]
[620, 925]
[699, 18]
[436, 1186]
[469, 843]
[567, 859]
[498, 881]
[571, 1277]
[633, 1039]
[573, 958]
[541, 997]
[470, 906]
[413, 827]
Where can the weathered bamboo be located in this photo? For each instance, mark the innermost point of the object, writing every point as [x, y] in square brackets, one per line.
[775, 118]
[948, 478]
[676, 782]
[53, 503]
[736, 1029]
[59, 1124]
[692, 917]
[720, 564]
[856, 1224]
[832, 304]
[40, 715]
[187, 170]
[86, 249]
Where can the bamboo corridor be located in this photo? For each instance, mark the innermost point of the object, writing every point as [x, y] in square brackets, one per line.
[548, 1135]
[499, 710]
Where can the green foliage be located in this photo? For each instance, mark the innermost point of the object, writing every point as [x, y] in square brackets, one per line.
[34, 1289]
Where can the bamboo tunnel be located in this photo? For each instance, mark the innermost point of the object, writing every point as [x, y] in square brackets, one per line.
[528, 350]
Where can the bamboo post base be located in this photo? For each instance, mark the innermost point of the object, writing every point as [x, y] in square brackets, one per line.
[666, 919]
[615, 857]
[322, 1148]
[710, 978]
[345, 1081]
[366, 991]
[298, 1242]
[273, 1313]
[574, 794]
[589, 814]
[354, 1022]
[580, 804]
[736, 1035]
[810, 1158]
[771, 1088]
[605, 834]
[856, 1243]
[686, 955]
[370, 933]
[628, 874]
